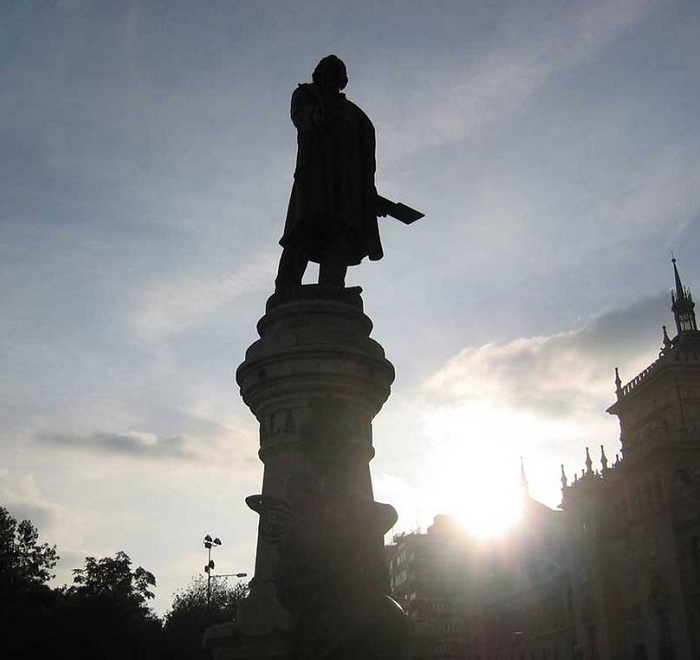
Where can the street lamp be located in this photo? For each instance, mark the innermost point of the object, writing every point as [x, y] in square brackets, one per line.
[209, 544]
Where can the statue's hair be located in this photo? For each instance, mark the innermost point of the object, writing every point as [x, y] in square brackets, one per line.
[331, 71]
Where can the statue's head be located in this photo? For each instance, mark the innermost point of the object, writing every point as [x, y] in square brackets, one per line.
[330, 73]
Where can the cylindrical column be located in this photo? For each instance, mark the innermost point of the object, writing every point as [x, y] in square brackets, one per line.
[314, 380]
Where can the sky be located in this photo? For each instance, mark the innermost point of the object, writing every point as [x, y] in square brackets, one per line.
[146, 160]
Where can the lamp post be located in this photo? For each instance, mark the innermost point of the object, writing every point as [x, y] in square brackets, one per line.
[209, 544]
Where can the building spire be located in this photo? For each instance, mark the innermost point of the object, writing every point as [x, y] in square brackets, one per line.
[564, 480]
[524, 486]
[589, 463]
[667, 343]
[682, 305]
[603, 459]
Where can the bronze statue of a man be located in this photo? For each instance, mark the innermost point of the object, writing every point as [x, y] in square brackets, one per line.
[332, 214]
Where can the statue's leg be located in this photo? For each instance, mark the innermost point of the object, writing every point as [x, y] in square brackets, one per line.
[332, 273]
[293, 263]
[334, 264]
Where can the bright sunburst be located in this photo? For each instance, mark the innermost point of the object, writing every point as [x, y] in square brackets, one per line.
[475, 476]
[484, 503]
[490, 514]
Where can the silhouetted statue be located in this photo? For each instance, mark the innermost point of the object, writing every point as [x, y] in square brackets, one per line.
[332, 215]
[330, 576]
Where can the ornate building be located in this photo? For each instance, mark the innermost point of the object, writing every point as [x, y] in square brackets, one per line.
[637, 523]
[614, 574]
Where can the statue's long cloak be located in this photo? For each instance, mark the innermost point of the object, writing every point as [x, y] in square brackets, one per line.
[333, 196]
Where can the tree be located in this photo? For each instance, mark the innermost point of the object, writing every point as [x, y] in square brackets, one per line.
[192, 613]
[112, 577]
[105, 613]
[23, 560]
[26, 602]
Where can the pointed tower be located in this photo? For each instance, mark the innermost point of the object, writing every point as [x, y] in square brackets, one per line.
[667, 343]
[641, 515]
[682, 305]
[657, 409]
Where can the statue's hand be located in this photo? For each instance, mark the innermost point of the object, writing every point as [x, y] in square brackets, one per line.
[381, 207]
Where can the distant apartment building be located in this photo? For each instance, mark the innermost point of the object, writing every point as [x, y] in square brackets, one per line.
[614, 574]
[432, 578]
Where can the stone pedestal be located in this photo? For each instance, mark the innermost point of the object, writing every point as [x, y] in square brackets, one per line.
[314, 381]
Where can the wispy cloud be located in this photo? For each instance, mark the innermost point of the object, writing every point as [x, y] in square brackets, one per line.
[557, 375]
[169, 307]
[21, 495]
[535, 396]
[662, 195]
[534, 47]
[134, 444]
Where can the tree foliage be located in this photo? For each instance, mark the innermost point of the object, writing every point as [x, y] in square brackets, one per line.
[26, 602]
[192, 612]
[105, 612]
[112, 577]
[23, 560]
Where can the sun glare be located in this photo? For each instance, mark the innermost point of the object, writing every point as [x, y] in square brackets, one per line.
[484, 501]
[475, 476]
[490, 515]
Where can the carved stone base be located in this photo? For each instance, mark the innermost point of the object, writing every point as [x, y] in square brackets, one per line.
[262, 629]
[314, 381]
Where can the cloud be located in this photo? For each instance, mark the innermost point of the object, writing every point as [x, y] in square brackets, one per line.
[20, 494]
[134, 444]
[533, 48]
[560, 375]
[541, 397]
[661, 197]
[169, 307]
[199, 438]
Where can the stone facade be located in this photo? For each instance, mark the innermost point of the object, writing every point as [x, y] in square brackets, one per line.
[637, 523]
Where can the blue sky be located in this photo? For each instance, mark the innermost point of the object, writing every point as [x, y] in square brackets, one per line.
[146, 162]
